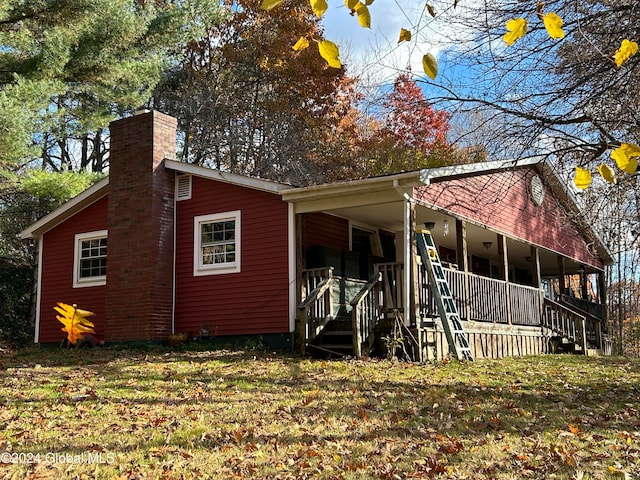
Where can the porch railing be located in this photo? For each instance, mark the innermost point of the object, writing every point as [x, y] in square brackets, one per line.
[392, 285]
[598, 310]
[487, 300]
[365, 313]
[565, 322]
[596, 314]
[526, 304]
[593, 324]
[317, 307]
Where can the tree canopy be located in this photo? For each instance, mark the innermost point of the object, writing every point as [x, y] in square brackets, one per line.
[70, 66]
[247, 102]
[404, 133]
[556, 76]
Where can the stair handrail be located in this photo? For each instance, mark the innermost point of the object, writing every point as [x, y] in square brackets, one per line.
[565, 321]
[362, 317]
[589, 317]
[320, 301]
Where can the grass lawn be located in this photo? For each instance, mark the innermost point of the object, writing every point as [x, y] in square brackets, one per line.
[115, 414]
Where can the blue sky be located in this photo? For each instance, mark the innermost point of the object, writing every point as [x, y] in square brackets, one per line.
[376, 50]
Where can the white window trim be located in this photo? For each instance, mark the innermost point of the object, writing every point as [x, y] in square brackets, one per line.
[92, 281]
[360, 226]
[215, 269]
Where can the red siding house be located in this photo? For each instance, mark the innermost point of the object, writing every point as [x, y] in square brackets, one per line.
[161, 247]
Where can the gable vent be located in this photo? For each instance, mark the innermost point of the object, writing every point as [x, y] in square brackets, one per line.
[183, 187]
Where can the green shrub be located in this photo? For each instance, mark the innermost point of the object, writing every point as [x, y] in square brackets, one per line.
[16, 329]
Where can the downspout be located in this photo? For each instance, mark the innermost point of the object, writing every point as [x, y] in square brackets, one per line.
[38, 289]
[173, 274]
[292, 266]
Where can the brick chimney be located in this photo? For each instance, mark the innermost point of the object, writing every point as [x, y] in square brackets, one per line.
[141, 228]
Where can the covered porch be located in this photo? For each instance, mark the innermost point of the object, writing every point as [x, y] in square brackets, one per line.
[513, 296]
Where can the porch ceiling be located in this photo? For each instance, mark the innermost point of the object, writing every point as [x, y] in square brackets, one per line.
[389, 216]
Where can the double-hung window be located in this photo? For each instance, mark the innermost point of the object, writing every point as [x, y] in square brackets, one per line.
[90, 259]
[217, 243]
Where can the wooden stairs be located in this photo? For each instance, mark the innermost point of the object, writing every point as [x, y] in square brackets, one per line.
[328, 313]
[568, 327]
[335, 339]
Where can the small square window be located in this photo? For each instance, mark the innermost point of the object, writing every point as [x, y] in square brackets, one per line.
[90, 259]
[361, 239]
[217, 243]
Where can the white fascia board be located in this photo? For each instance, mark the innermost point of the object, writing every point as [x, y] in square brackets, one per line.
[226, 177]
[471, 169]
[68, 209]
[352, 187]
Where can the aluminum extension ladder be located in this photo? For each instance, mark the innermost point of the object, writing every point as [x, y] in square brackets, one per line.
[456, 337]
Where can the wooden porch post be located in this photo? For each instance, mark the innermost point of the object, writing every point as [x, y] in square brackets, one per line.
[414, 311]
[502, 256]
[536, 275]
[561, 280]
[504, 271]
[584, 291]
[602, 294]
[409, 259]
[602, 288]
[300, 260]
[463, 263]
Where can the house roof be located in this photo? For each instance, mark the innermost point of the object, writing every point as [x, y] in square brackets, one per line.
[394, 186]
[67, 210]
[101, 188]
[450, 172]
[399, 180]
[226, 177]
[357, 190]
[569, 200]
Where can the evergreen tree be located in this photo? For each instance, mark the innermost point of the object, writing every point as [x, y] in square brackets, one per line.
[70, 66]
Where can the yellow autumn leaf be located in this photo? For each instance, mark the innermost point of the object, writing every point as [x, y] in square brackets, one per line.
[301, 44]
[430, 66]
[329, 51]
[319, 7]
[405, 35]
[74, 321]
[431, 10]
[582, 179]
[553, 24]
[516, 29]
[627, 50]
[368, 2]
[351, 4]
[626, 157]
[364, 17]
[270, 4]
[607, 173]
[65, 309]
